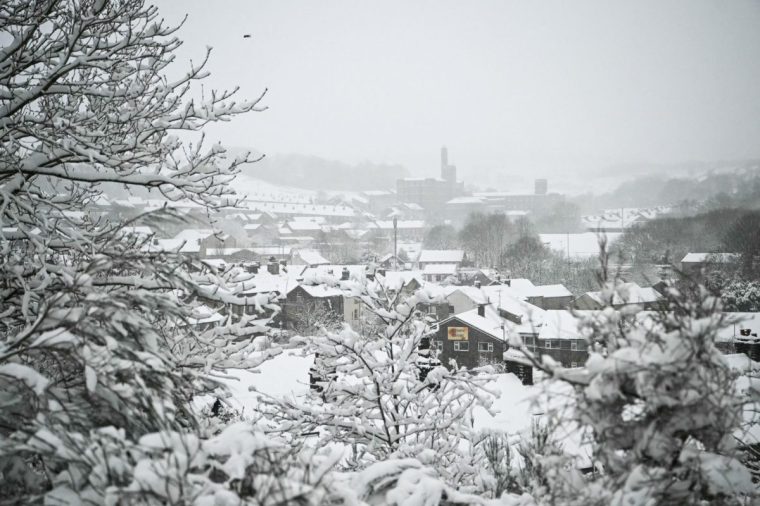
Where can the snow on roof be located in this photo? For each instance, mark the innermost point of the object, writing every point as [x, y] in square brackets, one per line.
[560, 324]
[252, 226]
[490, 324]
[204, 314]
[302, 225]
[311, 257]
[376, 193]
[264, 282]
[473, 293]
[299, 208]
[629, 293]
[736, 322]
[320, 291]
[441, 255]
[395, 279]
[718, 258]
[551, 291]
[440, 269]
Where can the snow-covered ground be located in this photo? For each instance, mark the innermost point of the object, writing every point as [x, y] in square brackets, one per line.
[518, 405]
[583, 245]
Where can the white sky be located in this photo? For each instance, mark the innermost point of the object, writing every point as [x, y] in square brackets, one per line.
[526, 87]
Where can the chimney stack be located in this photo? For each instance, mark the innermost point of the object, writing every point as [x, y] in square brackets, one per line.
[273, 267]
[477, 283]
[344, 274]
[482, 310]
[253, 267]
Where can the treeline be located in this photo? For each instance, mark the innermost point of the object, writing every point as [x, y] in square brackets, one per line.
[739, 188]
[314, 173]
[514, 249]
[667, 240]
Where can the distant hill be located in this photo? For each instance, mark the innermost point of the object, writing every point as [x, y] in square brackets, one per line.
[737, 186]
[314, 173]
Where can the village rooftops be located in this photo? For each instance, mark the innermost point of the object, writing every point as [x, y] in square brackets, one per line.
[626, 293]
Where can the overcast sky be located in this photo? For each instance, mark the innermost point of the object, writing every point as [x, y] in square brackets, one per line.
[511, 86]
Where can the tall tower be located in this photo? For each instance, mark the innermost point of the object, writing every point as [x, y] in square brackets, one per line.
[448, 172]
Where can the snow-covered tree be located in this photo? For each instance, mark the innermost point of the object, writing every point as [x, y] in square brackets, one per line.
[660, 404]
[96, 329]
[375, 398]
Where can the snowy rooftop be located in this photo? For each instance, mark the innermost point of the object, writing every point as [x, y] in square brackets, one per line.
[311, 257]
[719, 258]
[490, 324]
[475, 294]
[441, 255]
[560, 324]
[441, 269]
[629, 293]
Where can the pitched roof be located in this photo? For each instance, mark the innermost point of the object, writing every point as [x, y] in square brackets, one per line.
[433, 269]
[311, 257]
[560, 324]
[490, 324]
[441, 255]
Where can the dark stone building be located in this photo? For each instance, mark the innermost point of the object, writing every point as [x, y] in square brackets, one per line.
[470, 339]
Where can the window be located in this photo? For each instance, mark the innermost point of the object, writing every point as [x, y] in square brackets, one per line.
[356, 314]
[548, 344]
[436, 345]
[574, 346]
[461, 346]
[528, 341]
[573, 364]
[485, 347]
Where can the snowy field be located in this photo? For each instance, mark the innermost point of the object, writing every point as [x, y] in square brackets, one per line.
[583, 245]
[517, 405]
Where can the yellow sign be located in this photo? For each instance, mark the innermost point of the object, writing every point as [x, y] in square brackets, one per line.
[458, 333]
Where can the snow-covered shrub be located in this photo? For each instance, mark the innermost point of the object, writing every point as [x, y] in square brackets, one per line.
[661, 404]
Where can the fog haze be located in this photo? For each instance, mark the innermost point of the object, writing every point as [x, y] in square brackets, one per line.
[512, 88]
